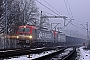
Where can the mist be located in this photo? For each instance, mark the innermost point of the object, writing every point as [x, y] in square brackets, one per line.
[79, 10]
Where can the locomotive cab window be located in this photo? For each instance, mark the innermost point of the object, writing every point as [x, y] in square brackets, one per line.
[24, 29]
[20, 30]
[27, 29]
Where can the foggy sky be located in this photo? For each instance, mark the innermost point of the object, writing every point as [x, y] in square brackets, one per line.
[80, 10]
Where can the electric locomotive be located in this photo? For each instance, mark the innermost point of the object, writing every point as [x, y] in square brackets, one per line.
[30, 35]
[26, 34]
[37, 38]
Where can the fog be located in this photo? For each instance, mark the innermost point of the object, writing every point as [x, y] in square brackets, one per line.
[79, 9]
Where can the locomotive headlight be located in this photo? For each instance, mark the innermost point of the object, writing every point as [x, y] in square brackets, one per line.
[24, 26]
[30, 37]
[17, 37]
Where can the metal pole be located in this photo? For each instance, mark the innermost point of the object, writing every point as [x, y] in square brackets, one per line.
[77, 34]
[70, 32]
[87, 30]
[5, 31]
[24, 17]
[88, 41]
[64, 21]
[6, 17]
[41, 20]
[51, 26]
[87, 33]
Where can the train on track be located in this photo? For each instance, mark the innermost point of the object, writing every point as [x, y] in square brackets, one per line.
[36, 38]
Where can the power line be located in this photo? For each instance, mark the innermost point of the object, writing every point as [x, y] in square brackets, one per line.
[47, 12]
[68, 14]
[70, 9]
[46, 7]
[52, 7]
[67, 8]
[76, 23]
[77, 26]
[55, 12]
[67, 24]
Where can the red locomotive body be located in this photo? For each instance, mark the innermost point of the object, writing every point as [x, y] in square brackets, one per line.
[25, 34]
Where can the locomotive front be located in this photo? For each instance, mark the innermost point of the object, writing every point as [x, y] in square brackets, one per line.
[24, 34]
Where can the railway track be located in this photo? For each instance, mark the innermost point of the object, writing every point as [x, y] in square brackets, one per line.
[19, 52]
[70, 55]
[64, 54]
[56, 54]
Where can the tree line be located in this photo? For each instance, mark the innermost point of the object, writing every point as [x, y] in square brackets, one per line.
[19, 12]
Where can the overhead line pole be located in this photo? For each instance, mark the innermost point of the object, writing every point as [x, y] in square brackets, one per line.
[87, 30]
[41, 20]
[88, 41]
[6, 17]
[6, 20]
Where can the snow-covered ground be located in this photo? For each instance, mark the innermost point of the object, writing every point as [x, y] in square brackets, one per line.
[83, 54]
[65, 53]
[32, 56]
[19, 58]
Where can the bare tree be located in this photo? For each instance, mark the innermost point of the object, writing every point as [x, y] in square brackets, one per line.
[20, 12]
[29, 10]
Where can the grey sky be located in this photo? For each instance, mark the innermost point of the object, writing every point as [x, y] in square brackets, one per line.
[80, 11]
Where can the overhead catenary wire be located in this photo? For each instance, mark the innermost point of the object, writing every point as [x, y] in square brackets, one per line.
[70, 13]
[76, 26]
[68, 9]
[67, 24]
[52, 7]
[47, 12]
[76, 23]
[47, 7]
[57, 11]
[52, 10]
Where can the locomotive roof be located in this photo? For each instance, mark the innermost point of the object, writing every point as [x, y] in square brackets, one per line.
[26, 26]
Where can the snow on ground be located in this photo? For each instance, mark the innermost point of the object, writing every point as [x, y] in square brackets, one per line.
[66, 52]
[32, 56]
[83, 54]
[18, 58]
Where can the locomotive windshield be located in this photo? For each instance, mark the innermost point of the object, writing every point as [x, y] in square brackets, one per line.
[24, 29]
